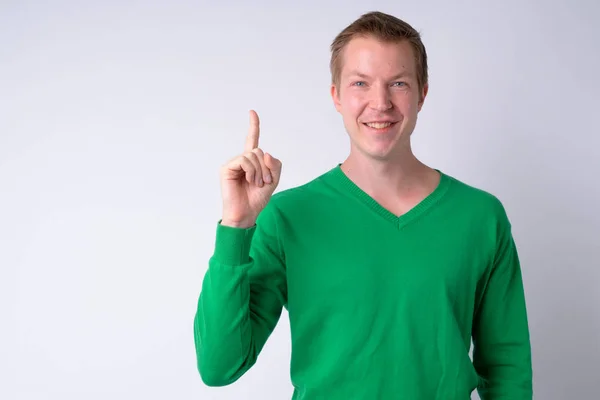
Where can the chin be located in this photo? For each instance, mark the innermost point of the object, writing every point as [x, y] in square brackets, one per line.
[377, 153]
[382, 145]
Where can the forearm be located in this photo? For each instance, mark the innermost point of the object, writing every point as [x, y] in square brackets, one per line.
[501, 338]
[222, 327]
[239, 305]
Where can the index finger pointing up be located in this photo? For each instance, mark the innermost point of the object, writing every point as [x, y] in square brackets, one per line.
[253, 132]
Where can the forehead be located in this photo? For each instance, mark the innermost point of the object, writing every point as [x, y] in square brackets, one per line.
[372, 56]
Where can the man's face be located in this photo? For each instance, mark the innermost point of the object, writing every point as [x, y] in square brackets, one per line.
[378, 96]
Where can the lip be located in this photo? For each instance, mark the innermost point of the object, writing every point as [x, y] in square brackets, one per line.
[379, 130]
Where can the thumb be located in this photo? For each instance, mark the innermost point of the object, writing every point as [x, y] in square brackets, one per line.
[274, 165]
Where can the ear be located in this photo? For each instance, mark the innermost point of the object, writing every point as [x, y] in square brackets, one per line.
[423, 95]
[335, 96]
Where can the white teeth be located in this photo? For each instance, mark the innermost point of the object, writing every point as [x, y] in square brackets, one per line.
[378, 125]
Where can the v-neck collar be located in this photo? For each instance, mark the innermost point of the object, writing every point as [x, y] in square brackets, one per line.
[398, 221]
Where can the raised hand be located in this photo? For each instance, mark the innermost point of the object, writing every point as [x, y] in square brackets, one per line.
[248, 181]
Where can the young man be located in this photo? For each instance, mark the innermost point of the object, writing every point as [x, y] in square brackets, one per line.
[388, 268]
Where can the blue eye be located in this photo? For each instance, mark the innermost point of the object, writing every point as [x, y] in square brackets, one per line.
[399, 84]
[360, 83]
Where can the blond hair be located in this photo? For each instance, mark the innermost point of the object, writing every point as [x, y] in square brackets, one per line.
[383, 27]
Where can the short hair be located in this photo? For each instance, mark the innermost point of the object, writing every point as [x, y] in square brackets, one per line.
[383, 27]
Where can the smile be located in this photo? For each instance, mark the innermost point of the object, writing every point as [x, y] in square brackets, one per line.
[379, 125]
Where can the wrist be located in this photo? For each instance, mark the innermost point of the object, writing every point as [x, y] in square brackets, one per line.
[245, 224]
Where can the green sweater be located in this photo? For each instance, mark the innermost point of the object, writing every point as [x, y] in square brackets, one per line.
[380, 306]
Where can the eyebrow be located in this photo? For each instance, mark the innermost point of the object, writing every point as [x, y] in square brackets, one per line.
[402, 74]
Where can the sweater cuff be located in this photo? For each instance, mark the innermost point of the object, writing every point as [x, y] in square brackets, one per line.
[232, 245]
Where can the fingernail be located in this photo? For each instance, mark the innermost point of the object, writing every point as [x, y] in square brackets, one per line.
[260, 182]
[268, 178]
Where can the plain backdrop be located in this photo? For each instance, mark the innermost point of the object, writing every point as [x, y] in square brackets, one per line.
[115, 117]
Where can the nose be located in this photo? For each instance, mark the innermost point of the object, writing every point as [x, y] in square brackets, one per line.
[380, 98]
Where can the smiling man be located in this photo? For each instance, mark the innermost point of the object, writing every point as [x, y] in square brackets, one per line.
[388, 268]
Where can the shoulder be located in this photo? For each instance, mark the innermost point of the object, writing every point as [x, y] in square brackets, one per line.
[302, 196]
[477, 202]
[481, 213]
[300, 200]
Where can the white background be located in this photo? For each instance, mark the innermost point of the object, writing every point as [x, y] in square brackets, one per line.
[116, 116]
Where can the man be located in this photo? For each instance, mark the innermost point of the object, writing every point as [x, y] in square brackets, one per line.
[388, 268]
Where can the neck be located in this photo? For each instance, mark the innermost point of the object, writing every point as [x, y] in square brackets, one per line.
[396, 176]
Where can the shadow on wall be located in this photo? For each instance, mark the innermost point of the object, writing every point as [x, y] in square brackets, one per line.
[563, 295]
[557, 230]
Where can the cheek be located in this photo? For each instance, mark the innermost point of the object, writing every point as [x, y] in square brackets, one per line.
[407, 104]
[353, 105]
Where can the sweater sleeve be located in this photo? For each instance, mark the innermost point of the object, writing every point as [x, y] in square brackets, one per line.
[501, 341]
[241, 299]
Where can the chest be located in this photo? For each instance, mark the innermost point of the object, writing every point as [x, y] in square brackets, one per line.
[371, 270]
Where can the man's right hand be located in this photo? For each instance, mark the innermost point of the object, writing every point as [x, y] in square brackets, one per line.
[248, 181]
